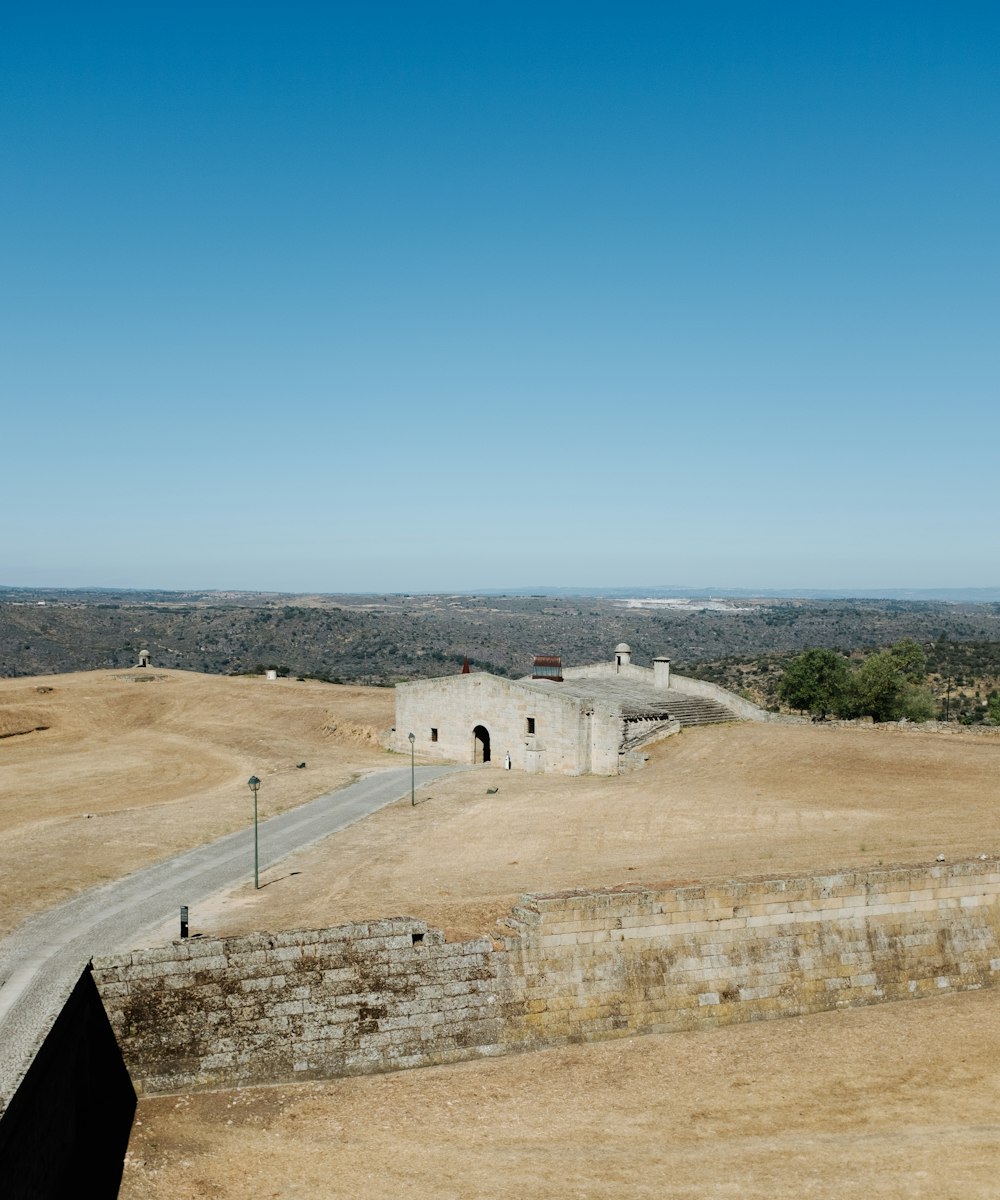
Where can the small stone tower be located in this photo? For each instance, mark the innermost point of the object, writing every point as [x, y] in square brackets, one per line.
[143, 658]
[623, 655]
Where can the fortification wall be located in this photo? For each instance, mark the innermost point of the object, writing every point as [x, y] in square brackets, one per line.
[660, 959]
[574, 966]
[356, 999]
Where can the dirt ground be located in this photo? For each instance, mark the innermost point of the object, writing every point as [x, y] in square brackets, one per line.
[713, 802]
[895, 1103]
[135, 765]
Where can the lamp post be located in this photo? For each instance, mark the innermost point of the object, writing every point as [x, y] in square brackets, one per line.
[254, 783]
[413, 793]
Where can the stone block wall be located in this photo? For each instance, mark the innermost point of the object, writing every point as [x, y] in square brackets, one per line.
[572, 966]
[263, 1008]
[646, 959]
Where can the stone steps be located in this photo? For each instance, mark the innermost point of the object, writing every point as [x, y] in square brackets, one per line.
[693, 710]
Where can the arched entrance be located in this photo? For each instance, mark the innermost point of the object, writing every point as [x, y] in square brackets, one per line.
[481, 744]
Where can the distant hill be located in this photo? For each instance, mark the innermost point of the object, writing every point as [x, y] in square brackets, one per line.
[385, 639]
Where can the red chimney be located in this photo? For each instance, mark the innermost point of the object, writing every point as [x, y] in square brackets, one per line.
[465, 666]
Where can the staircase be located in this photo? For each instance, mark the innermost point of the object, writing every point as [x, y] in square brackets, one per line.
[693, 710]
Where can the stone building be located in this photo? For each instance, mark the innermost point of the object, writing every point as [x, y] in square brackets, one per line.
[571, 721]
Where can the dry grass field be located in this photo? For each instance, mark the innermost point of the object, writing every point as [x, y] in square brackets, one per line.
[714, 802]
[893, 1102]
[132, 766]
[897, 1102]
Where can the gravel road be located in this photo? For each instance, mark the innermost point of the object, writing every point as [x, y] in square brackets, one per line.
[43, 958]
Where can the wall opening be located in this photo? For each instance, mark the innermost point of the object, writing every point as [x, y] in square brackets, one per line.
[481, 744]
[531, 724]
[434, 734]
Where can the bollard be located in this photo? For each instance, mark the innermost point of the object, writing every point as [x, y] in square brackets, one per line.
[184, 921]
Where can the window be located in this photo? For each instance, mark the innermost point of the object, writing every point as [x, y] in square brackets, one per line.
[531, 724]
[434, 735]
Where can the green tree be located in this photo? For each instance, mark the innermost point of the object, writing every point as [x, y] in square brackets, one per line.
[816, 681]
[917, 703]
[889, 686]
[877, 688]
[909, 659]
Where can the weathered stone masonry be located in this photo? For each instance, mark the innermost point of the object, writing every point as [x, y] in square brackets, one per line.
[356, 999]
[576, 966]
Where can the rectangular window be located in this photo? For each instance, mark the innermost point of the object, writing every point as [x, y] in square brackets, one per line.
[434, 735]
[531, 724]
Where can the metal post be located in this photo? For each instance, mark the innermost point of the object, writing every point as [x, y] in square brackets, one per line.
[254, 783]
[413, 792]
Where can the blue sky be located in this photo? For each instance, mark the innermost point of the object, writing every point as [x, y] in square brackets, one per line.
[443, 296]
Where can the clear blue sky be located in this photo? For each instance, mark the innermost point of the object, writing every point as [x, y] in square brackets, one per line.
[429, 296]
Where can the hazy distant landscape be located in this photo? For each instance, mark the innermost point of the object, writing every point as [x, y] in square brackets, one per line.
[743, 642]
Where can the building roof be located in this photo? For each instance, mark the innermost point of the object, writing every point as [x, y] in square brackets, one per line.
[636, 699]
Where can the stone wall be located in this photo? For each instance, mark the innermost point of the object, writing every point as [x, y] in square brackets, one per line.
[573, 966]
[356, 999]
[657, 959]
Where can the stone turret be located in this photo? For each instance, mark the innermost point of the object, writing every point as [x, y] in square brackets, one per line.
[623, 655]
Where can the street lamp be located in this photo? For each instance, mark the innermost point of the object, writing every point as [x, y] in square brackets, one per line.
[413, 795]
[253, 783]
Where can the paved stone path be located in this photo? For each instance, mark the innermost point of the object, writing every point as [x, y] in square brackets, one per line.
[42, 959]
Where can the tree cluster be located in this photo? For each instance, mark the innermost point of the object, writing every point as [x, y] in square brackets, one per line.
[887, 686]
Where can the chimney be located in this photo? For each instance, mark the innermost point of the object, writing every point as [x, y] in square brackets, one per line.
[661, 672]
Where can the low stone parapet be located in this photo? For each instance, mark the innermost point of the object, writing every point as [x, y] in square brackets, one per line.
[571, 966]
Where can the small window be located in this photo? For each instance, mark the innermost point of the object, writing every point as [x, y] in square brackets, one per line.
[531, 724]
[434, 735]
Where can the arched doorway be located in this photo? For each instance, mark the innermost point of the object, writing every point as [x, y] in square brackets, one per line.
[481, 744]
